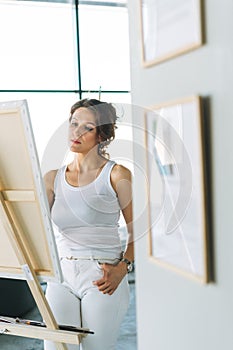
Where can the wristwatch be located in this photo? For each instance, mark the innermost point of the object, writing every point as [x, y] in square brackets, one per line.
[130, 265]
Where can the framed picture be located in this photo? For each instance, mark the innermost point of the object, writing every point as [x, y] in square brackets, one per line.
[176, 187]
[169, 28]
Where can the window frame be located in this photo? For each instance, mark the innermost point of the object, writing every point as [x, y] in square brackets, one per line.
[79, 91]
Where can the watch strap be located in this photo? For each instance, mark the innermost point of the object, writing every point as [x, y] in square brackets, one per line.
[126, 261]
[129, 264]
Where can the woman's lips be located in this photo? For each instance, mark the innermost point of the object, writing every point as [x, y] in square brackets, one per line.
[76, 141]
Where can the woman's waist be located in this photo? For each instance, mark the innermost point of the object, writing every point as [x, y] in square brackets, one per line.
[91, 242]
[89, 229]
[96, 234]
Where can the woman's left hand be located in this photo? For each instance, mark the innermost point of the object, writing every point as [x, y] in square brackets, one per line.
[112, 276]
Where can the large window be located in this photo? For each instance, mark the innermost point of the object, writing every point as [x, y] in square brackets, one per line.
[56, 52]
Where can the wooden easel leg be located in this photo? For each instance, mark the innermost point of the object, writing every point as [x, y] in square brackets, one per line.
[44, 308]
[24, 260]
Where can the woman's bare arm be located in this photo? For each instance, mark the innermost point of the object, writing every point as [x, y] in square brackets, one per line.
[49, 186]
[122, 183]
[113, 274]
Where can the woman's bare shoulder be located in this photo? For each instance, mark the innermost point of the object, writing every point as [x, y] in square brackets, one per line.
[49, 177]
[120, 172]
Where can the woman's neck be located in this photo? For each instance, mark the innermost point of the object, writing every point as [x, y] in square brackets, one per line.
[84, 163]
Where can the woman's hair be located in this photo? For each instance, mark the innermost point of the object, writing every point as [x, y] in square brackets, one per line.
[106, 117]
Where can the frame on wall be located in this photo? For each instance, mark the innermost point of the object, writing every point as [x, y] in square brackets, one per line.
[178, 225]
[169, 28]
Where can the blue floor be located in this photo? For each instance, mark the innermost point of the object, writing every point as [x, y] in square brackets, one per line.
[126, 341]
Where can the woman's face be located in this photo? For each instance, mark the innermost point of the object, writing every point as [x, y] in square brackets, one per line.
[82, 131]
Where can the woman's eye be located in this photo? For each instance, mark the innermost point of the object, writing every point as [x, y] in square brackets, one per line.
[74, 124]
[89, 128]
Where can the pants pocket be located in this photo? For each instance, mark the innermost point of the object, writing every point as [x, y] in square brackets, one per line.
[98, 265]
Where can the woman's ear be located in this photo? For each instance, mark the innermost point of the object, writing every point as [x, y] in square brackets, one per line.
[99, 139]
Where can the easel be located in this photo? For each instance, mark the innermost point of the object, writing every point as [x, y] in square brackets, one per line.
[23, 220]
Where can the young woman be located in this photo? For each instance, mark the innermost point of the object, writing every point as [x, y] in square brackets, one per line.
[85, 199]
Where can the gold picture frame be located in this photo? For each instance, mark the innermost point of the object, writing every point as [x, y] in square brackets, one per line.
[169, 28]
[178, 215]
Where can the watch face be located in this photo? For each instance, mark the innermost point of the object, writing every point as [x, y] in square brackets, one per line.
[130, 267]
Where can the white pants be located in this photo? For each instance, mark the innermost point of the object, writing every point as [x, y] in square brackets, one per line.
[78, 302]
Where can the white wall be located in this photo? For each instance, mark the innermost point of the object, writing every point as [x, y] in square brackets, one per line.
[174, 312]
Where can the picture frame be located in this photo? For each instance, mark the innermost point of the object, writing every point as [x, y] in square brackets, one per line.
[178, 210]
[169, 28]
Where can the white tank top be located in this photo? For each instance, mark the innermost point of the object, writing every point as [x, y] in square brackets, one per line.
[87, 216]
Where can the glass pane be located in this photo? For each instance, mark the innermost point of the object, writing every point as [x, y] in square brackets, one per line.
[104, 47]
[49, 114]
[110, 2]
[37, 46]
[109, 97]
